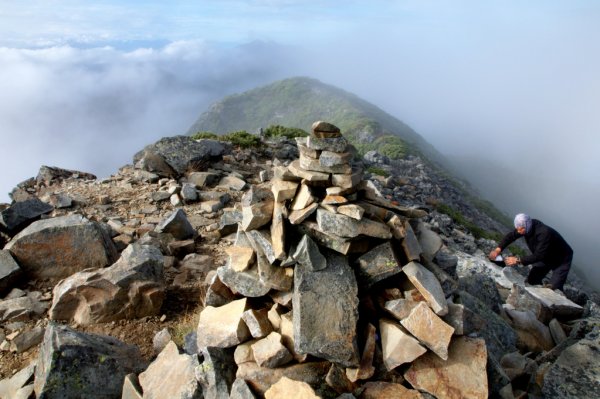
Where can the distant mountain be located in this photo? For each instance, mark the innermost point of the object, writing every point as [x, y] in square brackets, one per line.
[298, 102]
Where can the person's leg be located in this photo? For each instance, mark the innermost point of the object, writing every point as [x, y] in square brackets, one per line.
[559, 275]
[537, 273]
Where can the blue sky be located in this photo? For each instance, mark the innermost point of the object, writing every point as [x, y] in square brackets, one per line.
[86, 84]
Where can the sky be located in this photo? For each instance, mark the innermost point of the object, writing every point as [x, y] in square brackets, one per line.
[508, 90]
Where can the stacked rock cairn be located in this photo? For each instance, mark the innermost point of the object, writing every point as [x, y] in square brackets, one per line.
[325, 284]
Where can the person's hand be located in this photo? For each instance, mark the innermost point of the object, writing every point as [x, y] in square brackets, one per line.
[511, 261]
[495, 253]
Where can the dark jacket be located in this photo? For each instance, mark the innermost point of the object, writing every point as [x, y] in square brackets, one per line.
[545, 244]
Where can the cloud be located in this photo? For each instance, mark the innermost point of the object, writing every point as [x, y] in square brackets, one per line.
[92, 109]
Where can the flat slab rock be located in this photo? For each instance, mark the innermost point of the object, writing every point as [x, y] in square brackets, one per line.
[470, 265]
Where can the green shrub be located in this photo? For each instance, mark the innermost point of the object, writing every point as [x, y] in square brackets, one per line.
[459, 218]
[241, 138]
[282, 131]
[205, 135]
[378, 171]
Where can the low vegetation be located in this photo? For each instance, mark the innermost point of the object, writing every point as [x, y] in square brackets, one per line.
[240, 138]
[378, 171]
[283, 131]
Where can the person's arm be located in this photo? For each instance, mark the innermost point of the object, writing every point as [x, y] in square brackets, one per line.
[505, 242]
[541, 250]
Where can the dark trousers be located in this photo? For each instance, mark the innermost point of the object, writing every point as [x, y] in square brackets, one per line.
[559, 273]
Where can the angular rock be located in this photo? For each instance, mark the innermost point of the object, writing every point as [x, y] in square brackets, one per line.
[73, 364]
[217, 293]
[241, 390]
[131, 387]
[336, 378]
[258, 322]
[58, 200]
[10, 272]
[61, 246]
[302, 199]
[27, 339]
[555, 302]
[183, 153]
[287, 388]
[336, 144]
[313, 165]
[298, 216]
[278, 231]
[351, 210]
[217, 373]
[387, 390]
[429, 329]
[243, 352]
[21, 214]
[310, 177]
[558, 334]
[410, 244]
[533, 334]
[308, 152]
[178, 225]
[260, 379]
[229, 221]
[428, 285]
[283, 190]
[365, 369]
[470, 265]
[257, 208]
[19, 385]
[240, 258]
[339, 244]
[331, 199]
[330, 130]
[223, 327]
[331, 159]
[203, 179]
[232, 183]
[287, 336]
[23, 308]
[179, 249]
[400, 308]
[278, 278]
[429, 241]
[131, 288]
[398, 346]
[171, 375]
[377, 264]
[347, 181]
[308, 254]
[189, 192]
[51, 174]
[463, 375]
[260, 240]
[345, 226]
[161, 340]
[332, 292]
[246, 283]
[270, 352]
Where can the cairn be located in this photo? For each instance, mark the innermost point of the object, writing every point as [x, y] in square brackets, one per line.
[321, 262]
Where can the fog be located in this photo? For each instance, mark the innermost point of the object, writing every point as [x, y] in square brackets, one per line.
[509, 92]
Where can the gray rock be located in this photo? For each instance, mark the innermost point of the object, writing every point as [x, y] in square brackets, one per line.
[190, 343]
[257, 208]
[50, 174]
[177, 225]
[17, 386]
[182, 153]
[241, 390]
[430, 241]
[131, 387]
[556, 302]
[217, 373]
[576, 372]
[171, 375]
[337, 144]
[229, 221]
[428, 286]
[217, 293]
[261, 243]
[132, 287]
[326, 311]
[59, 200]
[410, 244]
[348, 227]
[469, 265]
[10, 272]
[188, 192]
[27, 339]
[307, 253]
[61, 246]
[447, 261]
[160, 340]
[159, 196]
[203, 179]
[377, 264]
[270, 352]
[533, 335]
[247, 283]
[483, 288]
[232, 183]
[314, 165]
[21, 214]
[22, 308]
[72, 364]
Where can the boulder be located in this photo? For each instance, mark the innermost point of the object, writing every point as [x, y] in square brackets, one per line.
[387, 390]
[216, 373]
[283, 190]
[463, 375]
[171, 375]
[287, 388]
[178, 225]
[325, 306]
[203, 179]
[52, 174]
[217, 293]
[21, 214]
[223, 327]
[410, 244]
[310, 164]
[348, 227]
[246, 283]
[243, 352]
[131, 288]
[10, 272]
[260, 240]
[29, 307]
[483, 288]
[61, 246]
[347, 181]
[311, 178]
[533, 335]
[241, 390]
[428, 285]
[469, 265]
[298, 216]
[400, 308]
[429, 241]
[181, 153]
[19, 386]
[58, 200]
[240, 258]
[397, 345]
[257, 208]
[332, 159]
[550, 303]
[325, 130]
[308, 254]
[377, 264]
[429, 329]
[72, 364]
[336, 144]
[258, 322]
[302, 199]
[270, 352]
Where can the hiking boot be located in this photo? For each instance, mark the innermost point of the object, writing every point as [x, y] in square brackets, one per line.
[548, 286]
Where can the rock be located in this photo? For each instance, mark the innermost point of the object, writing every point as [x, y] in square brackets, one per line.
[203, 179]
[26, 340]
[310, 164]
[18, 386]
[179, 249]
[428, 285]
[345, 226]
[223, 327]
[58, 201]
[61, 246]
[410, 244]
[260, 379]
[270, 352]
[400, 308]
[515, 364]
[325, 130]
[232, 183]
[429, 241]
[278, 231]
[182, 153]
[482, 287]
[334, 199]
[52, 174]
[429, 329]
[336, 379]
[576, 372]
[217, 373]
[275, 277]
[283, 190]
[198, 264]
[533, 335]
[160, 340]
[555, 302]
[159, 196]
[217, 293]
[260, 240]
[287, 388]
[73, 364]
[189, 193]
[308, 254]
[397, 345]
[365, 369]
[333, 159]
[10, 272]
[178, 225]
[347, 181]
[171, 375]
[447, 261]
[131, 387]
[341, 245]
[240, 258]
[176, 200]
[308, 152]
[21, 214]
[298, 216]
[258, 322]
[558, 334]
[131, 288]
[470, 265]
[246, 283]
[243, 352]
[287, 336]
[331, 292]
[336, 144]
[22, 308]
[351, 210]
[257, 208]
[228, 223]
[462, 376]
[241, 390]
[377, 264]
[311, 178]
[303, 198]
[387, 390]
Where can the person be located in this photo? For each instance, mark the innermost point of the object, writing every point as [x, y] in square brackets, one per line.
[549, 251]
